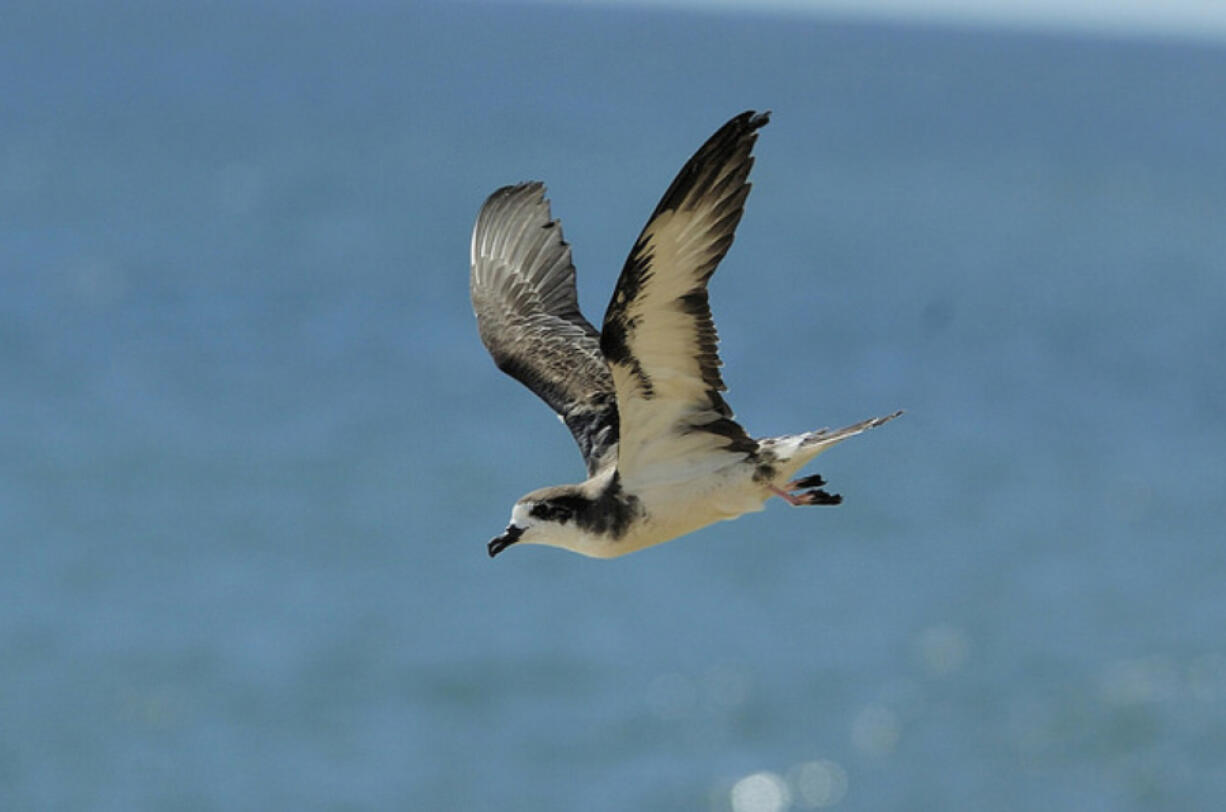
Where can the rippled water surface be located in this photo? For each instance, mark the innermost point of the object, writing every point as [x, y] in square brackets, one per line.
[252, 447]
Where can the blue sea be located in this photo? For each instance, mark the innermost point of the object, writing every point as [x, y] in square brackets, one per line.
[251, 448]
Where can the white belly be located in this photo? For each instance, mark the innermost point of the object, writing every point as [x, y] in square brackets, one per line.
[672, 510]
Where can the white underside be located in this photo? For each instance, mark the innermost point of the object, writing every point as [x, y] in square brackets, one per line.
[685, 495]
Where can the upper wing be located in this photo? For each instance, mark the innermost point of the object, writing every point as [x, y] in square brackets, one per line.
[523, 292]
[658, 337]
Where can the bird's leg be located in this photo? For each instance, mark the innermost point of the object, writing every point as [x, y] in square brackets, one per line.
[794, 501]
[816, 496]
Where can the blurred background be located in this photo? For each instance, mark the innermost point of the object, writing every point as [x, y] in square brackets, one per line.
[252, 447]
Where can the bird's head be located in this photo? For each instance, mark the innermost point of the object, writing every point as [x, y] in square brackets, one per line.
[548, 516]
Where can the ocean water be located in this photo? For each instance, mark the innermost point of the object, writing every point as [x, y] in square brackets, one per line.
[251, 448]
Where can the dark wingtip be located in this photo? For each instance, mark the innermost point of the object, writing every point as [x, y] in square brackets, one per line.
[747, 122]
[755, 119]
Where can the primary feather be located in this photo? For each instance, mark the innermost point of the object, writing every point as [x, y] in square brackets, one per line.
[523, 292]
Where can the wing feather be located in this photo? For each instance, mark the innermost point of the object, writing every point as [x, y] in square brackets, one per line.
[523, 294]
[658, 336]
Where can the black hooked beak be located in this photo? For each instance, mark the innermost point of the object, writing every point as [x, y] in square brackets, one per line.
[504, 541]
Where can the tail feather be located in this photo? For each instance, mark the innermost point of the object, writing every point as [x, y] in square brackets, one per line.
[824, 438]
[786, 455]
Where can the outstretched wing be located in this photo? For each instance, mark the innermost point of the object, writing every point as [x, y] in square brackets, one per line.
[658, 337]
[523, 292]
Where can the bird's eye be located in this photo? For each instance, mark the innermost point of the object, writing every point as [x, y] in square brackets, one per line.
[551, 512]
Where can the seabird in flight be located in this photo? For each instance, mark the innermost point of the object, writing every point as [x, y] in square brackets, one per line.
[641, 395]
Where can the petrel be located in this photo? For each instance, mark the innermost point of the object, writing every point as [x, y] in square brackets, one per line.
[641, 396]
